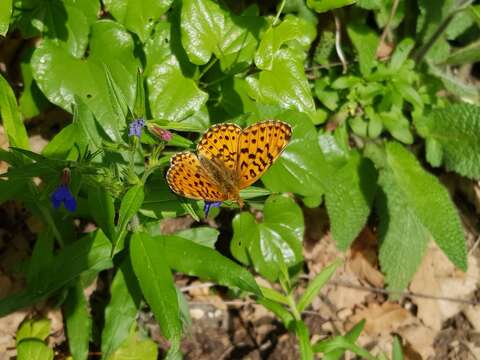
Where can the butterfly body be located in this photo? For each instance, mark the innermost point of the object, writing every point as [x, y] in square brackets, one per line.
[228, 159]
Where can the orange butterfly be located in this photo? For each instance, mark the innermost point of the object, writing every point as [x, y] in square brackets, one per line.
[228, 159]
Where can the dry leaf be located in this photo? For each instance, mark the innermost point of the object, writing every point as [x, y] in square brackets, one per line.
[419, 338]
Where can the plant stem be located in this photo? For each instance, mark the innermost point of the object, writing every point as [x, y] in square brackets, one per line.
[207, 67]
[279, 12]
[293, 307]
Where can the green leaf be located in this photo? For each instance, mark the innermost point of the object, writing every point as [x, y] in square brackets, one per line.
[101, 207]
[137, 16]
[33, 349]
[61, 144]
[274, 295]
[422, 205]
[205, 236]
[455, 129]
[277, 239]
[400, 55]
[9, 189]
[303, 336]
[196, 260]
[37, 329]
[136, 348]
[208, 29]
[321, 6]
[91, 253]
[285, 85]
[300, 167]
[397, 353]
[121, 311]
[365, 41]
[185, 98]
[131, 203]
[349, 198]
[316, 285]
[42, 256]
[11, 118]
[5, 14]
[110, 45]
[149, 261]
[467, 54]
[293, 30]
[397, 125]
[79, 322]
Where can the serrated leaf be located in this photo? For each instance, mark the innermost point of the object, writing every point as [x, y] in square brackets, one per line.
[185, 98]
[429, 201]
[11, 118]
[277, 239]
[137, 16]
[79, 322]
[365, 41]
[292, 29]
[455, 128]
[285, 85]
[110, 45]
[154, 276]
[121, 311]
[349, 198]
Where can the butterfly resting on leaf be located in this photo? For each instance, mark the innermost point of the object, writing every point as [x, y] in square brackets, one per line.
[228, 160]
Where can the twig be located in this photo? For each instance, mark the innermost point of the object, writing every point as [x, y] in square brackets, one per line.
[338, 40]
[402, 293]
[474, 247]
[387, 25]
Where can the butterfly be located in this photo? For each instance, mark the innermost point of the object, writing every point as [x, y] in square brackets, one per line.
[228, 160]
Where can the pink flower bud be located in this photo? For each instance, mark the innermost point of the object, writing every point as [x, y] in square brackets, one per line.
[161, 133]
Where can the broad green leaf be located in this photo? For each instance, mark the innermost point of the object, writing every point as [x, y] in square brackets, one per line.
[65, 22]
[121, 311]
[33, 349]
[91, 253]
[130, 205]
[11, 118]
[301, 167]
[5, 13]
[397, 125]
[303, 336]
[149, 261]
[62, 143]
[110, 45]
[403, 238]
[349, 196]
[79, 322]
[87, 125]
[137, 16]
[285, 84]
[316, 285]
[292, 29]
[365, 41]
[455, 129]
[38, 329]
[429, 201]
[321, 6]
[160, 202]
[136, 348]
[205, 236]
[196, 260]
[184, 99]
[208, 29]
[101, 208]
[42, 256]
[277, 239]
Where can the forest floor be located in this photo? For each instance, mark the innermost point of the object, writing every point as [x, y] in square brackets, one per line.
[438, 317]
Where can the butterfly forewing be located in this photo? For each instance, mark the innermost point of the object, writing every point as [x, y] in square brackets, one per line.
[220, 144]
[186, 177]
[259, 145]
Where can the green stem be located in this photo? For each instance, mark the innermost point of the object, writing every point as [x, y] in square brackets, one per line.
[206, 68]
[293, 307]
[279, 12]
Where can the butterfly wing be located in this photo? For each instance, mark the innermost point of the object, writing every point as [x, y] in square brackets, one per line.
[220, 145]
[186, 177]
[260, 144]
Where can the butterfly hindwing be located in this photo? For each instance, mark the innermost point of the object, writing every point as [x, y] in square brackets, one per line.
[260, 144]
[186, 177]
[220, 144]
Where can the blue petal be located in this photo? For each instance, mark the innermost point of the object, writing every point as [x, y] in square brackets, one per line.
[70, 204]
[63, 194]
[210, 204]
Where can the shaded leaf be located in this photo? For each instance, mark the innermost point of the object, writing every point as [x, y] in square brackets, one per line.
[79, 322]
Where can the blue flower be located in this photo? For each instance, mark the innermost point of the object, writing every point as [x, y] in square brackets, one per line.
[63, 195]
[210, 204]
[136, 127]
